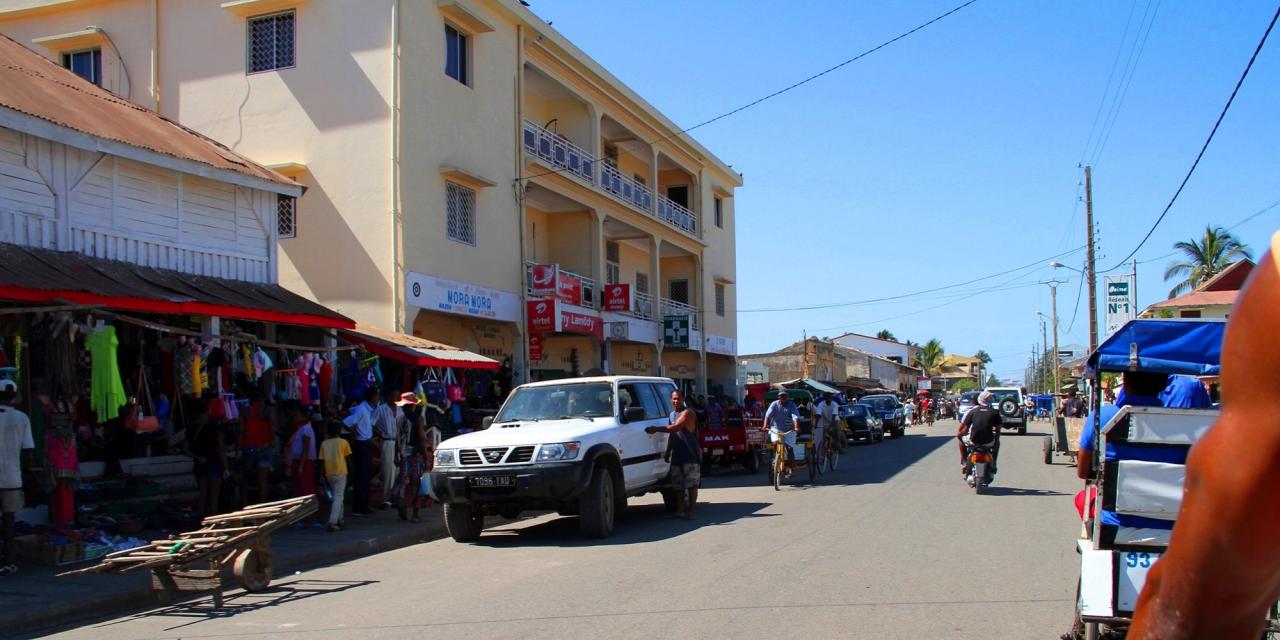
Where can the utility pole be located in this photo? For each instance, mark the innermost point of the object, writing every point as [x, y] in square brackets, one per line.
[1134, 292]
[1053, 294]
[1044, 337]
[1035, 368]
[1090, 269]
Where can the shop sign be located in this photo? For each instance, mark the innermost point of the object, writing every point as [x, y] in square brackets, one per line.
[675, 331]
[450, 296]
[544, 279]
[924, 384]
[544, 316]
[617, 297]
[722, 345]
[573, 322]
[568, 288]
[1121, 305]
[535, 346]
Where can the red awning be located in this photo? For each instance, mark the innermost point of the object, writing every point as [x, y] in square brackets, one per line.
[416, 351]
[46, 276]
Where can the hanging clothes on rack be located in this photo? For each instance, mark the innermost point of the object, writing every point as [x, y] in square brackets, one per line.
[326, 380]
[184, 367]
[106, 390]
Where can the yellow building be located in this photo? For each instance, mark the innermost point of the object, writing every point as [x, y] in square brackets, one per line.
[447, 147]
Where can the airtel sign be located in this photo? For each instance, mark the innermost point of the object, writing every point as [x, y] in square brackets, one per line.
[544, 316]
[617, 297]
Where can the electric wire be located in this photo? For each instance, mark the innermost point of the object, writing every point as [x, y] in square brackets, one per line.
[1126, 79]
[914, 293]
[781, 91]
[1203, 147]
[1106, 90]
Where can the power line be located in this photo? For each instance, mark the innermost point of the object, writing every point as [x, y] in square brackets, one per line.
[1106, 90]
[784, 89]
[854, 303]
[1131, 69]
[1205, 146]
[1248, 218]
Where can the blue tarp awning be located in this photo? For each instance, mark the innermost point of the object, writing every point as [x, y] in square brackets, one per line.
[1190, 347]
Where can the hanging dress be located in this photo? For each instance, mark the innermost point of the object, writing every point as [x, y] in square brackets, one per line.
[106, 391]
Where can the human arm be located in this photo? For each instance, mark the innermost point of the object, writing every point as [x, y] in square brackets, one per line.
[684, 420]
[1222, 568]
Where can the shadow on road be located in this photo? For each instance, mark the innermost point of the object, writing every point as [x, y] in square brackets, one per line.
[638, 524]
[996, 490]
[240, 602]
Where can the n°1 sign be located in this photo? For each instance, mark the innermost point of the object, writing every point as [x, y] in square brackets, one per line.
[1121, 305]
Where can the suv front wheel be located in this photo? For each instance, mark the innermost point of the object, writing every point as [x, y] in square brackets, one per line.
[598, 506]
[463, 522]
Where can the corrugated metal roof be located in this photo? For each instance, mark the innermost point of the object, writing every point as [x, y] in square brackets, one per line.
[45, 275]
[34, 85]
[1200, 299]
[415, 350]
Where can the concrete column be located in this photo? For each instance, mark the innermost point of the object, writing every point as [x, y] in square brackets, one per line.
[700, 304]
[595, 146]
[597, 253]
[655, 275]
[653, 181]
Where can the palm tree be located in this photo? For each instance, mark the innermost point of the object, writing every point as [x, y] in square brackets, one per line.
[1216, 251]
[930, 356]
[983, 359]
[886, 334]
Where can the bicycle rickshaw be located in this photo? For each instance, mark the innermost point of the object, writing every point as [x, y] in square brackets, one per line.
[1140, 468]
[804, 451]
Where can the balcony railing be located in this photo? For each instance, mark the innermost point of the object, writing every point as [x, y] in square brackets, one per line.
[557, 151]
[671, 307]
[642, 306]
[626, 189]
[588, 285]
[676, 215]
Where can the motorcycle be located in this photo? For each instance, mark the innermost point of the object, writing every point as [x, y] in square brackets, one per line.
[980, 459]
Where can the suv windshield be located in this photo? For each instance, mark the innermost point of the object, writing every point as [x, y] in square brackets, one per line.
[969, 397]
[1000, 396]
[883, 403]
[581, 400]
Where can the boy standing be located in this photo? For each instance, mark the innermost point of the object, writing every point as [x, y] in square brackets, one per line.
[334, 451]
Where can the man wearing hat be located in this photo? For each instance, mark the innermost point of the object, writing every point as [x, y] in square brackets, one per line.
[15, 438]
[982, 425]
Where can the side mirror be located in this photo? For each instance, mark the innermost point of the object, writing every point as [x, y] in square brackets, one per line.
[633, 414]
[486, 422]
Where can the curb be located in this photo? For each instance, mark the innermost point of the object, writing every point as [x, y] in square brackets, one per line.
[44, 620]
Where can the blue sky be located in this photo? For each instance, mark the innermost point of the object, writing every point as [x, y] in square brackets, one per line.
[952, 154]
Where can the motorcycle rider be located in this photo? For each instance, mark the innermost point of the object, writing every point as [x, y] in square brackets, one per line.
[982, 425]
[782, 420]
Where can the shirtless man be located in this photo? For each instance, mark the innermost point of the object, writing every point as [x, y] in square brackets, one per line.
[1222, 569]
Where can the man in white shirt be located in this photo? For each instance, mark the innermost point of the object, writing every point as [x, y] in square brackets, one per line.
[826, 415]
[386, 427]
[15, 439]
[360, 422]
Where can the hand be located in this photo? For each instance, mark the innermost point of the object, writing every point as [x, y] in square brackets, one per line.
[653, 429]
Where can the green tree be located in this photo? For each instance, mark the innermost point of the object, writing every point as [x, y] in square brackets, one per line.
[930, 357]
[984, 359]
[964, 384]
[993, 381]
[886, 334]
[1204, 259]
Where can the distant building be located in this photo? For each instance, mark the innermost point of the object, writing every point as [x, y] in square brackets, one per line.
[1213, 299]
[848, 368]
[887, 349]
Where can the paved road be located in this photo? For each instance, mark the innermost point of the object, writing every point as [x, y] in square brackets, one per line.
[893, 545]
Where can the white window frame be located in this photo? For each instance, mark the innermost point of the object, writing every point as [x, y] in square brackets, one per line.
[248, 41]
[450, 232]
[465, 67]
[64, 57]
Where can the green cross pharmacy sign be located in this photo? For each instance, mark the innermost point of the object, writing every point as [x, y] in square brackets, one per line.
[675, 331]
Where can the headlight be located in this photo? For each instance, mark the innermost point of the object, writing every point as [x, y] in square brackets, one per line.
[553, 452]
[447, 458]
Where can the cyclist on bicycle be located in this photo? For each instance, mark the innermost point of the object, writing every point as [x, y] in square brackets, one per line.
[827, 417]
[782, 420]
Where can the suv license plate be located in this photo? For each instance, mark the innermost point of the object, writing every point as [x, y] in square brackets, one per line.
[485, 482]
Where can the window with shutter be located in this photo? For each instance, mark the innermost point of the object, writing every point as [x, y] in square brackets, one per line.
[719, 299]
[287, 216]
[460, 210]
[270, 42]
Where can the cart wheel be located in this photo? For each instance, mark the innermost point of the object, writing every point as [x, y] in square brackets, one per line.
[1048, 449]
[253, 569]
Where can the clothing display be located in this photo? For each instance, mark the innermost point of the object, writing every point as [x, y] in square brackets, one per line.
[107, 390]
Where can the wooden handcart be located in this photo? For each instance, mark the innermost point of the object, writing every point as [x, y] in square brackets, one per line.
[193, 561]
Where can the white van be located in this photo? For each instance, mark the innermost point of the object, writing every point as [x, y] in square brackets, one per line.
[575, 446]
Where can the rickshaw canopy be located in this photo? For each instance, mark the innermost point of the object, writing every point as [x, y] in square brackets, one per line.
[1189, 347]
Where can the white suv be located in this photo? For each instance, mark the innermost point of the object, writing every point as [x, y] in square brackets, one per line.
[1008, 401]
[574, 446]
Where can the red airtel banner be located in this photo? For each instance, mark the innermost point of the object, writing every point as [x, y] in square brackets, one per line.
[544, 316]
[617, 297]
[535, 346]
[568, 288]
